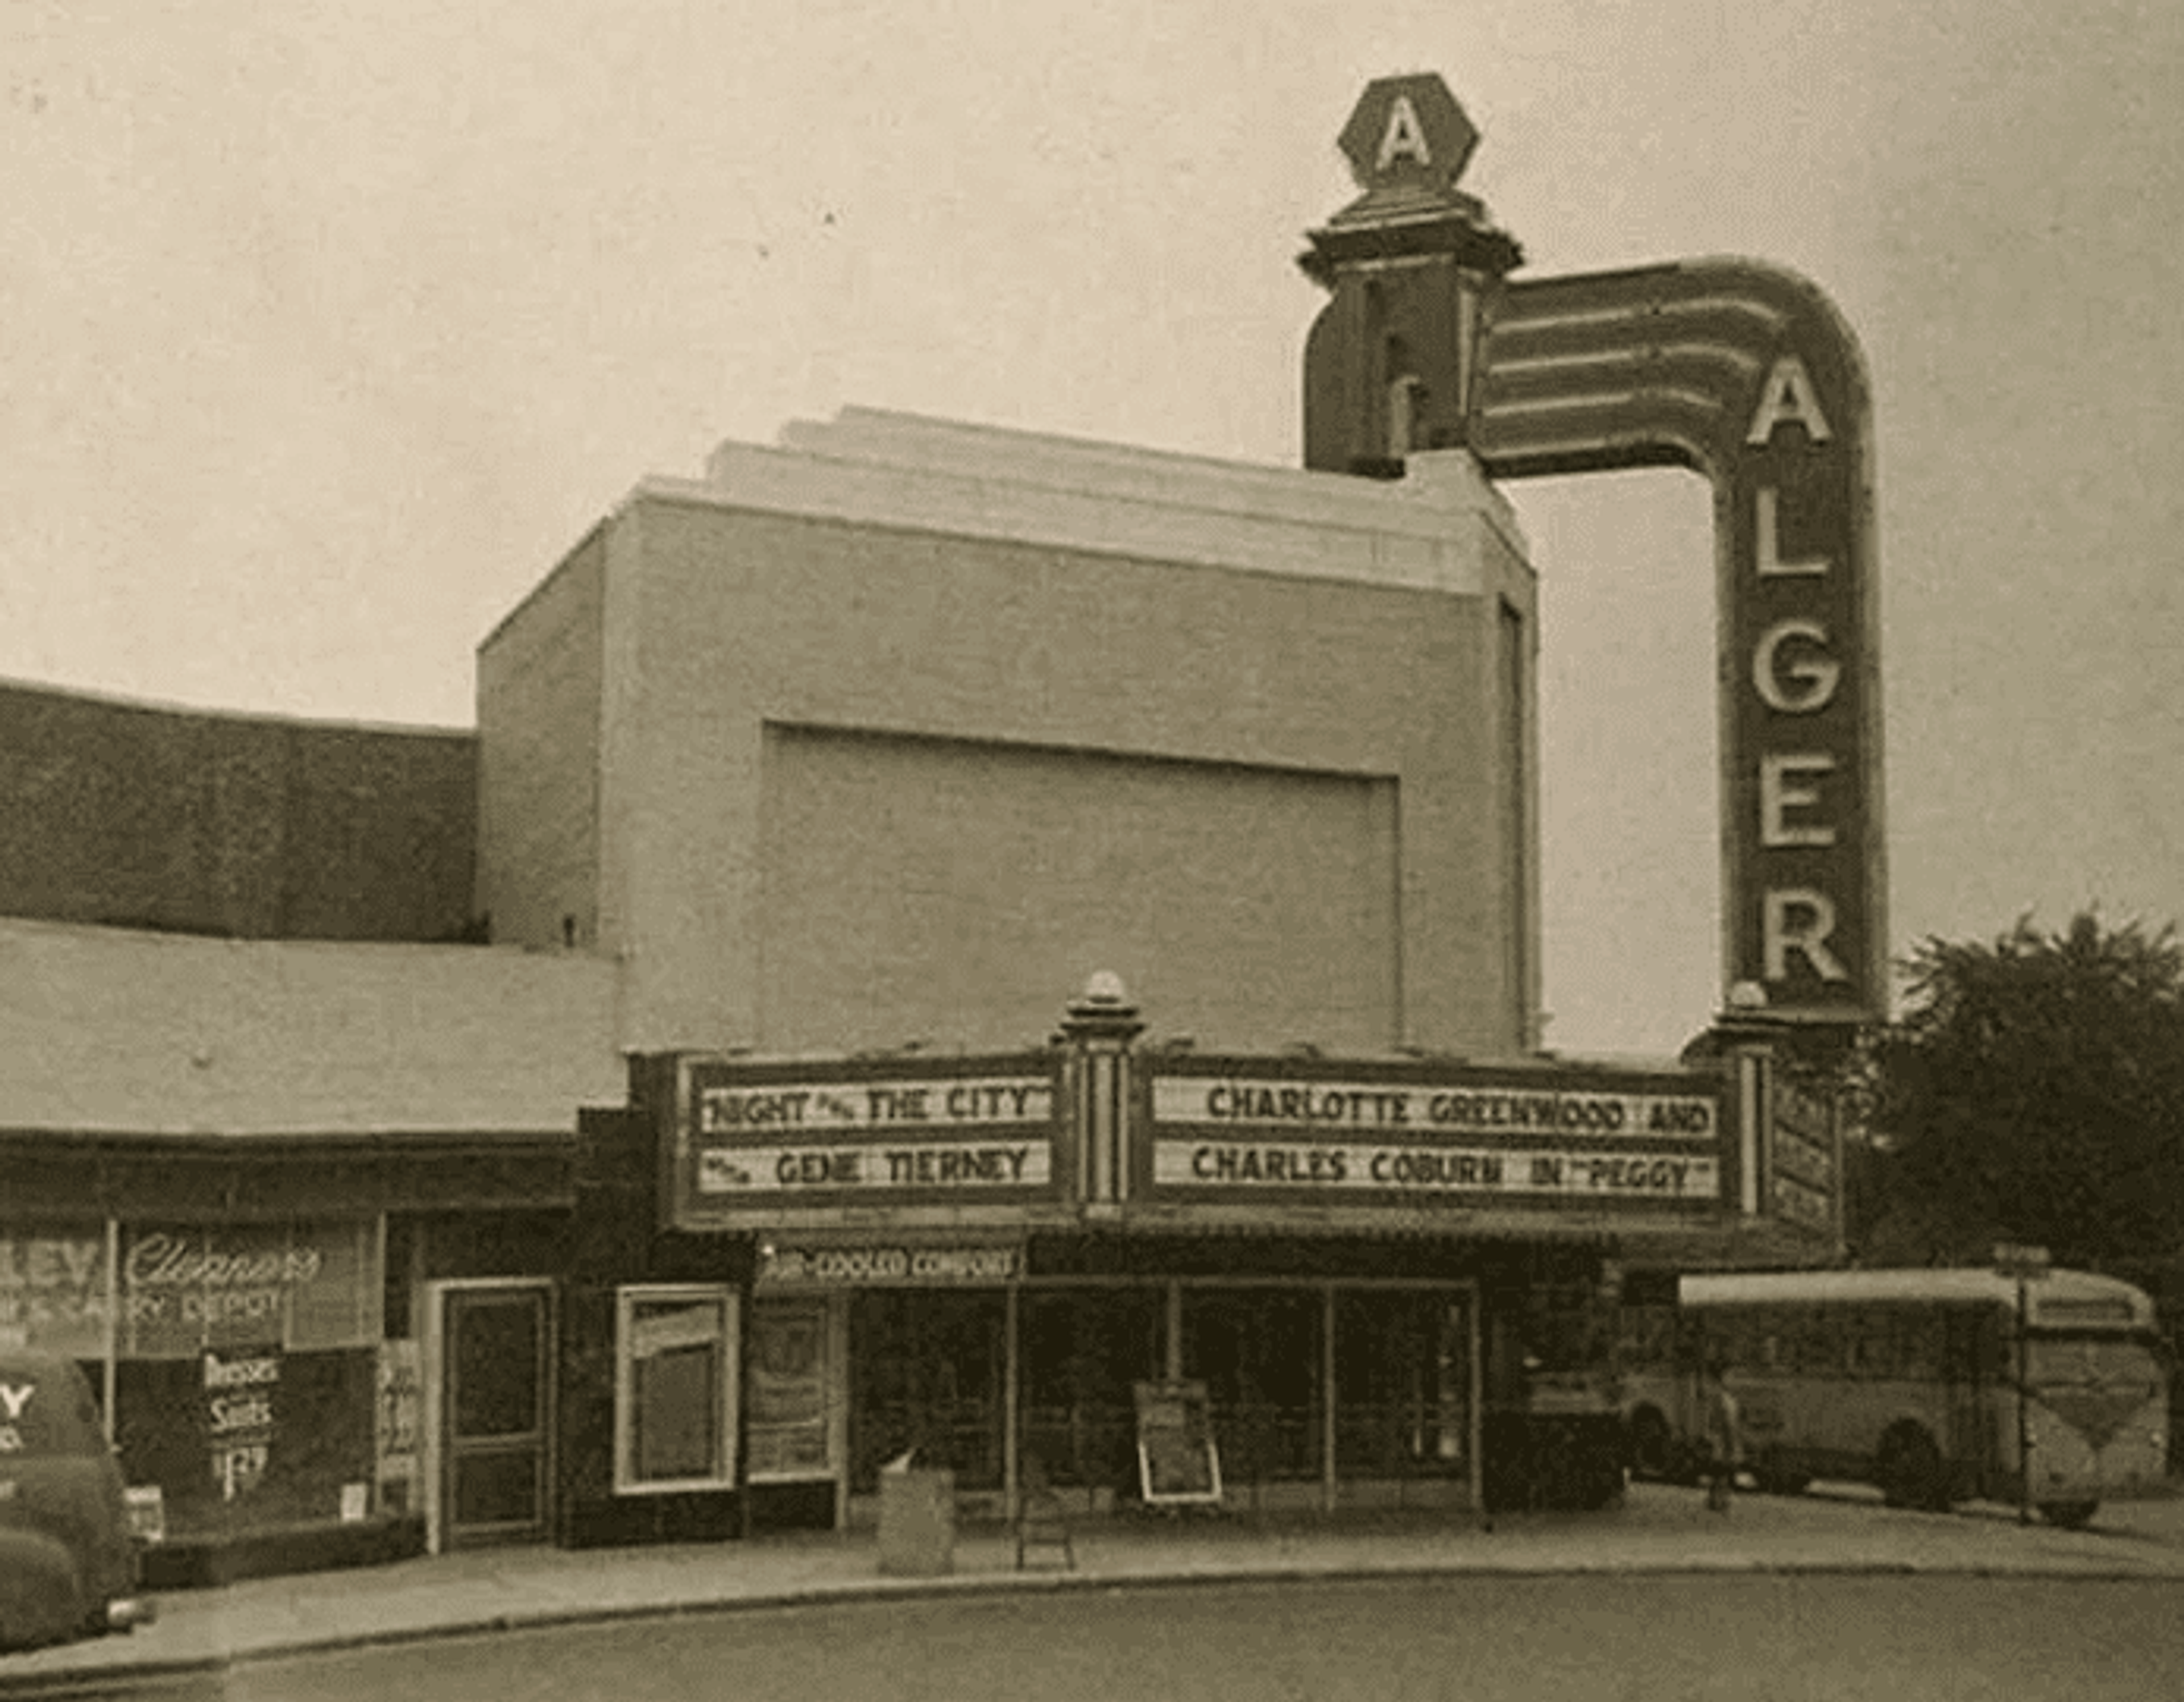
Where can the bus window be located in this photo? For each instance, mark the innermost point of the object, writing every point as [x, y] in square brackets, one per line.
[1649, 1337]
[1865, 1343]
[1966, 1338]
[1919, 1343]
[1690, 1341]
[2123, 1370]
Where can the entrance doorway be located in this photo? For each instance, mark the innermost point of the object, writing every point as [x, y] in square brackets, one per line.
[1259, 1351]
[928, 1370]
[496, 1362]
[1084, 1350]
[1403, 1385]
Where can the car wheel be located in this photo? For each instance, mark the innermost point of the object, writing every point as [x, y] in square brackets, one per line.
[2069, 1515]
[1652, 1450]
[1909, 1472]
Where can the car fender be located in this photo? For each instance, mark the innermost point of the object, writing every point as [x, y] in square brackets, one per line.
[41, 1598]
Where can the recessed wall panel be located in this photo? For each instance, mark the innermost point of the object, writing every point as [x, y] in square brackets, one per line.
[958, 892]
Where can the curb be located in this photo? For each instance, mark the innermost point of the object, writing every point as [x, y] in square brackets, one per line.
[96, 1679]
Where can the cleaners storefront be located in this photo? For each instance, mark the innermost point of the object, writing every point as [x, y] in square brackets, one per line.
[250, 1324]
[240, 1361]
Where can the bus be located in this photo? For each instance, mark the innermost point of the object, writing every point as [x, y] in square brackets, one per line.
[1932, 1385]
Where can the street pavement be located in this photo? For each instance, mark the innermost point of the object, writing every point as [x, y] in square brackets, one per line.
[1658, 1530]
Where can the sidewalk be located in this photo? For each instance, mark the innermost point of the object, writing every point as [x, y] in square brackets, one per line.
[1658, 1530]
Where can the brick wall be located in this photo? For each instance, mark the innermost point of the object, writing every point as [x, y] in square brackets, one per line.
[131, 816]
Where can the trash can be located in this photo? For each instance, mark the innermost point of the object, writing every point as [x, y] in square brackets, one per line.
[917, 1522]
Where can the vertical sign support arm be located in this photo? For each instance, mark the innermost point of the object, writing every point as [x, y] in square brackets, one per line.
[2024, 1427]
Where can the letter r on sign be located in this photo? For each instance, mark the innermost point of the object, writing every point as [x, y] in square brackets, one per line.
[1799, 920]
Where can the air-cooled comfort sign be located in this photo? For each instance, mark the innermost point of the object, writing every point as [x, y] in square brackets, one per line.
[888, 1264]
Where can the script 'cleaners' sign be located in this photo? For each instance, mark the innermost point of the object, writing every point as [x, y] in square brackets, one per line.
[231, 1287]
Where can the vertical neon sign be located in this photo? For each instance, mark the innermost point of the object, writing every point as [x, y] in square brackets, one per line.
[1740, 370]
[1747, 375]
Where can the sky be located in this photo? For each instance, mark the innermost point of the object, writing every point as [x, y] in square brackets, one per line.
[327, 330]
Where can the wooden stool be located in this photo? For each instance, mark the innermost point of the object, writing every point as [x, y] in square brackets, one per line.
[1041, 1519]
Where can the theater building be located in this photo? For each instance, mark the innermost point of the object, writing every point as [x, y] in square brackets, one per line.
[936, 932]
[864, 754]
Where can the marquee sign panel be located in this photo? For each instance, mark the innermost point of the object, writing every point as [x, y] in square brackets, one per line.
[1432, 1139]
[826, 1143]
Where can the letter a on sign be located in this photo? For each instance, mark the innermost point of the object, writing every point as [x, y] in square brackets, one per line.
[1788, 395]
[1403, 138]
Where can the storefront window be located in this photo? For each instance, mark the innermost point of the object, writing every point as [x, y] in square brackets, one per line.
[1084, 1349]
[248, 1369]
[53, 1289]
[927, 1371]
[1568, 1328]
[1403, 1376]
[675, 1410]
[787, 1406]
[1257, 1350]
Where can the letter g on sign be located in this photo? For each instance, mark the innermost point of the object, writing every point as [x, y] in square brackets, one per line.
[1802, 685]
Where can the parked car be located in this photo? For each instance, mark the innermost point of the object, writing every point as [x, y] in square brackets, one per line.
[68, 1564]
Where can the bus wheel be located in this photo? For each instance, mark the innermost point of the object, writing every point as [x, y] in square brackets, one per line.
[1909, 1472]
[1775, 1482]
[2070, 1516]
[1652, 1450]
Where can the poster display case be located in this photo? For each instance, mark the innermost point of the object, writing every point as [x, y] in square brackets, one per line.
[789, 1408]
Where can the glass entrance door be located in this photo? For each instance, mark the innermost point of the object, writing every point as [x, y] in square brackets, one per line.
[1084, 1350]
[497, 1364]
[1402, 1384]
[1257, 1351]
[927, 1370]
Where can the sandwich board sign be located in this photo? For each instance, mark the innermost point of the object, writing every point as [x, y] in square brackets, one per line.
[1178, 1463]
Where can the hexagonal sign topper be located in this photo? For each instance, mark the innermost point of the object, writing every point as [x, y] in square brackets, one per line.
[1407, 130]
